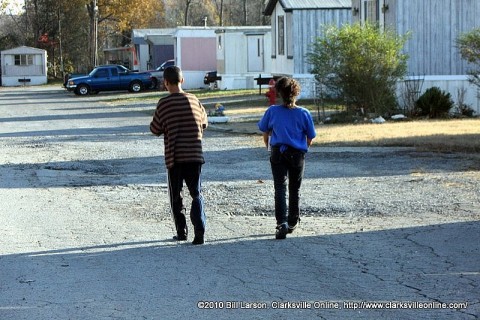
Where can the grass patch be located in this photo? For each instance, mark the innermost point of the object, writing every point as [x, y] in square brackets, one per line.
[452, 135]
[206, 93]
[200, 93]
[434, 135]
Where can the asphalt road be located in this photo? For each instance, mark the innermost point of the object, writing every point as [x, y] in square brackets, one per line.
[85, 231]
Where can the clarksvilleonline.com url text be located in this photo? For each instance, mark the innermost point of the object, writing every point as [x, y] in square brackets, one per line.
[354, 305]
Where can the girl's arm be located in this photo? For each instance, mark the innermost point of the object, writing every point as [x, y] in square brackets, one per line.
[265, 138]
[309, 142]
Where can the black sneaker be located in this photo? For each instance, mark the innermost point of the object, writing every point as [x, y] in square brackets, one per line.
[180, 237]
[198, 240]
[281, 232]
[293, 226]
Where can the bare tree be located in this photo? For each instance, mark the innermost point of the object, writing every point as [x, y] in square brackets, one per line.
[245, 14]
[187, 7]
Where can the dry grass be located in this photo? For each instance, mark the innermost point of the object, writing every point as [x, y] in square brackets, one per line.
[245, 111]
[438, 135]
[462, 135]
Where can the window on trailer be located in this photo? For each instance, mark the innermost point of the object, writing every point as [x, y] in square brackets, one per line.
[23, 59]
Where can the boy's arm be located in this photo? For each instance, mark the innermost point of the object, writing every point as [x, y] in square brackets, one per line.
[204, 116]
[155, 129]
[155, 126]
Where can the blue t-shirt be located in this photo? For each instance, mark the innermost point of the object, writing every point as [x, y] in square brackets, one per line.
[288, 127]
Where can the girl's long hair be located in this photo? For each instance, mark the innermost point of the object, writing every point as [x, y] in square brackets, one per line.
[288, 89]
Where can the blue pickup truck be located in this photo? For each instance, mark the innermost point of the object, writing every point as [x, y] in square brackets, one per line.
[109, 78]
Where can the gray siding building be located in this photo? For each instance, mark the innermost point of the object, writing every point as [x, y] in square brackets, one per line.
[434, 26]
[295, 26]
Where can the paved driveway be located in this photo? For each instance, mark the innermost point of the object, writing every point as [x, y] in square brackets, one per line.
[85, 230]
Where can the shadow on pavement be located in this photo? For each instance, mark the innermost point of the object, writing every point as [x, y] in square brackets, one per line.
[161, 279]
[226, 165]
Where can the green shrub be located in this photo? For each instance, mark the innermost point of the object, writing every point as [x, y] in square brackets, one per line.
[361, 64]
[434, 103]
[468, 44]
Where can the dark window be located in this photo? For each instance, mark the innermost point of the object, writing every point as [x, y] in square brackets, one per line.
[281, 35]
[289, 32]
[23, 59]
[101, 73]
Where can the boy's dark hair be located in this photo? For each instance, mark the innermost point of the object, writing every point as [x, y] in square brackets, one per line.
[173, 75]
[288, 89]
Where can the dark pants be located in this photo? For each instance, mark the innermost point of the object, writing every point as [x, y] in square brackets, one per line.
[288, 165]
[190, 173]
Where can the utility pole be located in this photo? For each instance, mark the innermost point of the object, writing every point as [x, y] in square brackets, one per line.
[62, 68]
[221, 13]
[92, 9]
[95, 33]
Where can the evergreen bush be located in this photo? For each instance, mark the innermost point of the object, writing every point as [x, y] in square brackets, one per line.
[434, 103]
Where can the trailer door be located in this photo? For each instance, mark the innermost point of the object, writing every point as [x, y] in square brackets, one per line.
[255, 53]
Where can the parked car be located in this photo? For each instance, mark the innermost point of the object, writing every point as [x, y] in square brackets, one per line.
[157, 73]
[109, 78]
[211, 77]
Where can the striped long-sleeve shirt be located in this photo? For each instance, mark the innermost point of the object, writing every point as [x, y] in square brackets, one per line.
[181, 118]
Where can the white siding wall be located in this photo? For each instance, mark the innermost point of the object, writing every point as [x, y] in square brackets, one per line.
[232, 59]
[307, 25]
[450, 84]
[435, 25]
[236, 54]
[302, 28]
[281, 64]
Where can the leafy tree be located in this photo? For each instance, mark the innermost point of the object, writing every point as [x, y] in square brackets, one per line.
[51, 21]
[57, 25]
[11, 28]
[126, 15]
[119, 17]
[469, 46]
[361, 64]
[9, 7]
[65, 28]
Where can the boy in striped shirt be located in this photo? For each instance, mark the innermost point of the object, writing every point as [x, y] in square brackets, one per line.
[181, 118]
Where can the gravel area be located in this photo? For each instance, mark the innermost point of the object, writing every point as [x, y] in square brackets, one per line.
[339, 182]
[117, 159]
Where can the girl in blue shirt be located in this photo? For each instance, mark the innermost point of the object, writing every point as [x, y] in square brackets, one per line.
[289, 130]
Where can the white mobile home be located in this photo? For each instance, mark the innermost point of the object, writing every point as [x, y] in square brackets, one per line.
[24, 66]
[243, 53]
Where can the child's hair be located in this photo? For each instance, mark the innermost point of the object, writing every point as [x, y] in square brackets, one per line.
[173, 75]
[288, 89]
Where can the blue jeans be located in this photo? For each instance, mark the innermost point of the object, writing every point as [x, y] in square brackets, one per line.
[288, 165]
[190, 173]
